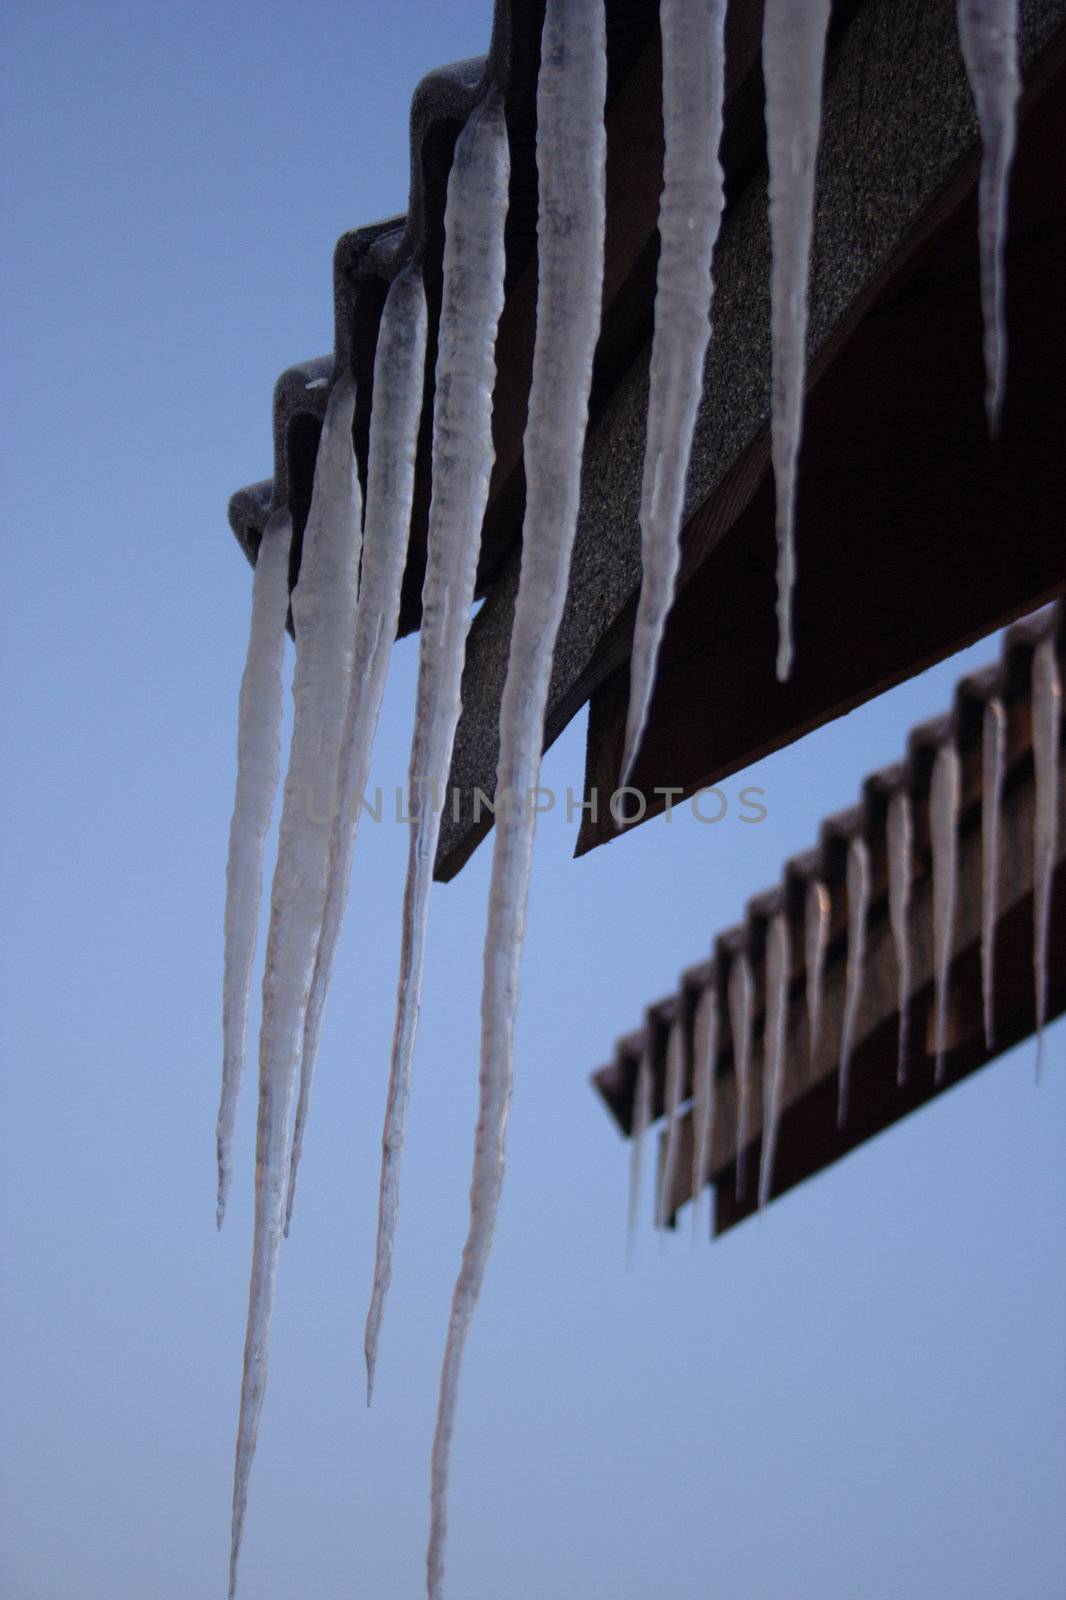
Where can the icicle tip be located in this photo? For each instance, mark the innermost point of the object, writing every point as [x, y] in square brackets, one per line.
[994, 413]
[629, 761]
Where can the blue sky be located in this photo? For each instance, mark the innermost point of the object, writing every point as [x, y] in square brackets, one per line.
[860, 1396]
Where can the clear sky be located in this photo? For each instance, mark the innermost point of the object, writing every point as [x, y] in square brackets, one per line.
[860, 1396]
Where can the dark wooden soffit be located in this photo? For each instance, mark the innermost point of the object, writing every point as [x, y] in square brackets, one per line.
[808, 1137]
[915, 535]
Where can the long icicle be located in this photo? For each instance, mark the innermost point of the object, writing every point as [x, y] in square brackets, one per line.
[258, 770]
[642, 1098]
[778, 972]
[899, 829]
[816, 943]
[675, 1083]
[988, 35]
[944, 834]
[994, 743]
[741, 1009]
[705, 1058]
[571, 151]
[323, 607]
[793, 55]
[690, 215]
[398, 374]
[474, 261]
[858, 875]
[1047, 725]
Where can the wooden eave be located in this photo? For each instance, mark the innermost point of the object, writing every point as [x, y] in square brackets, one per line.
[809, 1138]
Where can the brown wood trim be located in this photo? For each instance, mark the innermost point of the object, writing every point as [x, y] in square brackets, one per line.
[916, 534]
[887, 180]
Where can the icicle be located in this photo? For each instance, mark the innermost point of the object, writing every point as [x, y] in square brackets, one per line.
[258, 768]
[675, 1083]
[705, 1057]
[858, 905]
[642, 1098]
[900, 835]
[571, 149]
[793, 55]
[690, 214]
[1047, 720]
[398, 370]
[994, 741]
[741, 1009]
[323, 607]
[816, 942]
[778, 972]
[944, 833]
[474, 217]
[988, 34]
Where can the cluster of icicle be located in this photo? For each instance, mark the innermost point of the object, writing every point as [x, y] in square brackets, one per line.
[1045, 702]
[794, 42]
[346, 602]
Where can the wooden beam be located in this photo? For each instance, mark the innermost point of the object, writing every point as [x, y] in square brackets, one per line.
[809, 1138]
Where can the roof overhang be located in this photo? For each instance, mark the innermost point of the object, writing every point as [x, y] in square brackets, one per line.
[915, 534]
[809, 1138]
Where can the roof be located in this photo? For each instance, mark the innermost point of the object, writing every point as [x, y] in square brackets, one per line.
[809, 1137]
[366, 259]
[895, 458]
